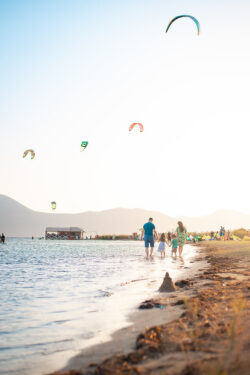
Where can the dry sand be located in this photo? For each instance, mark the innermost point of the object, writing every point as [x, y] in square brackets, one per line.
[202, 328]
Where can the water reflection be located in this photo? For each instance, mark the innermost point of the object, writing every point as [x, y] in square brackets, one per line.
[56, 296]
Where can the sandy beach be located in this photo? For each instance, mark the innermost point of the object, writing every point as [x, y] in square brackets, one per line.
[201, 328]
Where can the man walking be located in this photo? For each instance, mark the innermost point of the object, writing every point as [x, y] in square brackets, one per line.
[148, 236]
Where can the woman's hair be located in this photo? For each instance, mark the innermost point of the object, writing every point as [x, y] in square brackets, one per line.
[181, 226]
[162, 238]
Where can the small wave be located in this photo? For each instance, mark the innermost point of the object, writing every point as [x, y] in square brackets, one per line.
[34, 345]
[131, 281]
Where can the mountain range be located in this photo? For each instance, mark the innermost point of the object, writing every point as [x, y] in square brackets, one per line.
[17, 220]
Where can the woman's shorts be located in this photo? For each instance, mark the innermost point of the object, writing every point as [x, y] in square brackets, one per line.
[149, 240]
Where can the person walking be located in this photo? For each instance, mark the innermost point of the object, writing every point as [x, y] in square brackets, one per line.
[174, 243]
[148, 234]
[162, 245]
[221, 233]
[181, 236]
[3, 238]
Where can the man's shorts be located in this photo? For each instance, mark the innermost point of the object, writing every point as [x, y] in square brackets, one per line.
[149, 240]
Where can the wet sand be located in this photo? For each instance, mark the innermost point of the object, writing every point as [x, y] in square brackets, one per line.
[201, 328]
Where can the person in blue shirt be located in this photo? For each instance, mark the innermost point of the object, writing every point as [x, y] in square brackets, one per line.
[148, 236]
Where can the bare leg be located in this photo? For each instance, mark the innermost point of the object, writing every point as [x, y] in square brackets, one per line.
[180, 250]
[151, 251]
[146, 250]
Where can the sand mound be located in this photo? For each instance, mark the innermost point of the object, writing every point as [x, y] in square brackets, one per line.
[167, 285]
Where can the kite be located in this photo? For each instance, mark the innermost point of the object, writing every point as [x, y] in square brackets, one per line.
[136, 123]
[53, 205]
[185, 15]
[32, 152]
[84, 144]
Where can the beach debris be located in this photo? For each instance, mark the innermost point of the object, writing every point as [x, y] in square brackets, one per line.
[105, 293]
[84, 144]
[69, 372]
[146, 305]
[92, 364]
[151, 340]
[150, 304]
[167, 285]
[177, 303]
[185, 15]
[134, 124]
[120, 364]
[182, 283]
[32, 153]
[53, 205]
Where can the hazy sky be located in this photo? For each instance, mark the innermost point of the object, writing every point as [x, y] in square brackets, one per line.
[85, 70]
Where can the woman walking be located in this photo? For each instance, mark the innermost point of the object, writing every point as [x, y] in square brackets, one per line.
[181, 236]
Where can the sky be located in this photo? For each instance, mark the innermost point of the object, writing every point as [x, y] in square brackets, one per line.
[76, 70]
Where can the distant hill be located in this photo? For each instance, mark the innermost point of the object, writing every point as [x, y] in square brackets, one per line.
[18, 220]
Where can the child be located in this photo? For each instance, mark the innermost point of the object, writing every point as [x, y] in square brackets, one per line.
[162, 245]
[174, 244]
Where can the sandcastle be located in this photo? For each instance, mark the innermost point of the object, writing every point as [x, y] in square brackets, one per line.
[167, 284]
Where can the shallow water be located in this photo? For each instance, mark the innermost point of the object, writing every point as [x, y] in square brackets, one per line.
[60, 296]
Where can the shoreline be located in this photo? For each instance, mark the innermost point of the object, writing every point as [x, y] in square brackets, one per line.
[123, 340]
[211, 336]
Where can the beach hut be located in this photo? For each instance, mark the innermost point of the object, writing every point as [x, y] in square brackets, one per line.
[70, 233]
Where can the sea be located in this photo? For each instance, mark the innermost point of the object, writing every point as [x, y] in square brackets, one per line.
[58, 297]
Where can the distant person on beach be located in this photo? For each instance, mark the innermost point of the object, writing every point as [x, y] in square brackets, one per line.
[3, 238]
[148, 234]
[222, 233]
[162, 245]
[227, 235]
[181, 236]
[174, 243]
